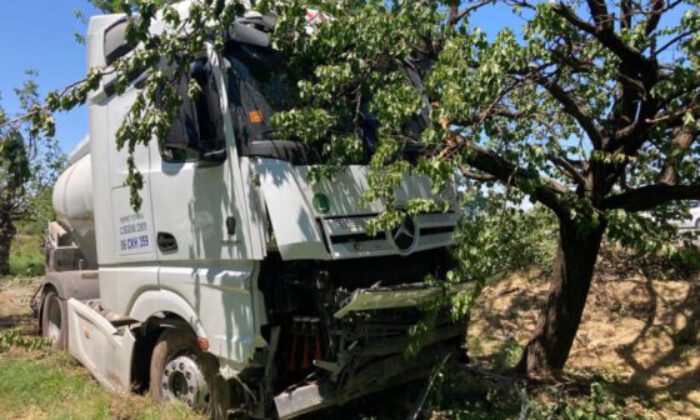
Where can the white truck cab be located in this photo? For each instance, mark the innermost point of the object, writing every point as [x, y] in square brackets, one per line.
[239, 286]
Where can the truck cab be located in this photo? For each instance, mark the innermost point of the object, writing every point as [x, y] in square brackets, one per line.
[239, 286]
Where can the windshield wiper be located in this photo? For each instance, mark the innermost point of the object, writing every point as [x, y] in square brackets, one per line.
[269, 134]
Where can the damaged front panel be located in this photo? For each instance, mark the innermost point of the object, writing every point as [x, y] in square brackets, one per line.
[403, 296]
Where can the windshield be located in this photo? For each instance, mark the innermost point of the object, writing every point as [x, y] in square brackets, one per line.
[258, 89]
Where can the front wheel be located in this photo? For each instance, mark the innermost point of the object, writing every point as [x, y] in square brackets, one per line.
[180, 371]
[54, 321]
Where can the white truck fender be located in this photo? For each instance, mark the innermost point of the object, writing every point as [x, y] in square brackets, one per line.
[154, 302]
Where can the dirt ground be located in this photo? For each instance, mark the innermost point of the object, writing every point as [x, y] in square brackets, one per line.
[640, 333]
[14, 304]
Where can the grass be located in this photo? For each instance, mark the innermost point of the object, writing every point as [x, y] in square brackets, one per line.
[55, 387]
[508, 355]
[27, 256]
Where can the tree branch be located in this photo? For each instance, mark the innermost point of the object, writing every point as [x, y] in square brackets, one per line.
[476, 176]
[546, 191]
[606, 36]
[572, 108]
[673, 41]
[569, 169]
[626, 14]
[682, 141]
[456, 16]
[654, 17]
[646, 198]
[599, 12]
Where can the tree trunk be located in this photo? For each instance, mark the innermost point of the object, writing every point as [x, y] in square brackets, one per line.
[548, 350]
[7, 232]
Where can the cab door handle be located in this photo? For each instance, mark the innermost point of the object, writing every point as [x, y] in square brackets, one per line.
[166, 242]
[231, 226]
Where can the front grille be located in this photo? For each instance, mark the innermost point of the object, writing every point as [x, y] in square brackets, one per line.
[357, 237]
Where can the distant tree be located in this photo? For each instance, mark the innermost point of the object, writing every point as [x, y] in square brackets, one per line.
[29, 164]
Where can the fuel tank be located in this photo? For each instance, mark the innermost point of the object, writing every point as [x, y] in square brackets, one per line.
[73, 202]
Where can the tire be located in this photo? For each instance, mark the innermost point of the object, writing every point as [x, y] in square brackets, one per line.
[54, 321]
[178, 345]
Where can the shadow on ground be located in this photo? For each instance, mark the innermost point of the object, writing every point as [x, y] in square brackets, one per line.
[640, 332]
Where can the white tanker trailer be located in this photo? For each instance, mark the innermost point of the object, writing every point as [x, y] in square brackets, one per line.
[239, 287]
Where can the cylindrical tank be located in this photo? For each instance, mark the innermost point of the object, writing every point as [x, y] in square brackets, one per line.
[72, 200]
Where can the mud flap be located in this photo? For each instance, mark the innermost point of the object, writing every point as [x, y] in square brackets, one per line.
[103, 349]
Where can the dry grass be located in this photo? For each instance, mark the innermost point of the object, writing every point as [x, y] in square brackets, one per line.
[639, 333]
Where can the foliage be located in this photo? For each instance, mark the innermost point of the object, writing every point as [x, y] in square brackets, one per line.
[582, 110]
[508, 355]
[30, 161]
[548, 110]
[545, 110]
[597, 404]
[493, 238]
[15, 338]
[41, 203]
[29, 164]
[165, 55]
[27, 252]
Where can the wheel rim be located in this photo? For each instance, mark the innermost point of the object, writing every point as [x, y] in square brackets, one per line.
[183, 380]
[53, 328]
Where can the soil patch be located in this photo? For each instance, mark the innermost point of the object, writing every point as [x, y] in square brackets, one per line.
[640, 334]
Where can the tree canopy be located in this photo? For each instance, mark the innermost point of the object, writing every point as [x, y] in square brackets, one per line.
[29, 163]
[590, 109]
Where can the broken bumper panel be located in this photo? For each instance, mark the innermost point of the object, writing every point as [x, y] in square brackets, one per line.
[382, 374]
[404, 296]
[375, 324]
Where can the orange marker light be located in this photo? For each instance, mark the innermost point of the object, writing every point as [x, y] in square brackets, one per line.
[203, 343]
[256, 117]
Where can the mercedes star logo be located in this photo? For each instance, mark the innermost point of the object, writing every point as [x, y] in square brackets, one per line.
[404, 235]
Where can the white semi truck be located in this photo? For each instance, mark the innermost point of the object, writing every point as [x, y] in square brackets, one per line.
[239, 287]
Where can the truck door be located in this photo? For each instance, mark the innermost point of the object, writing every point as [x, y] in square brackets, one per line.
[202, 220]
[199, 210]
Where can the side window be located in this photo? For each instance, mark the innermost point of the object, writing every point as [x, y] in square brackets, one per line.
[197, 134]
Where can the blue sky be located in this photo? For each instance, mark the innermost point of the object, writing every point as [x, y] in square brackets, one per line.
[38, 34]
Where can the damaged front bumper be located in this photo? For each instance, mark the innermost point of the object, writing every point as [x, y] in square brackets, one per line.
[404, 296]
[369, 361]
[385, 372]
